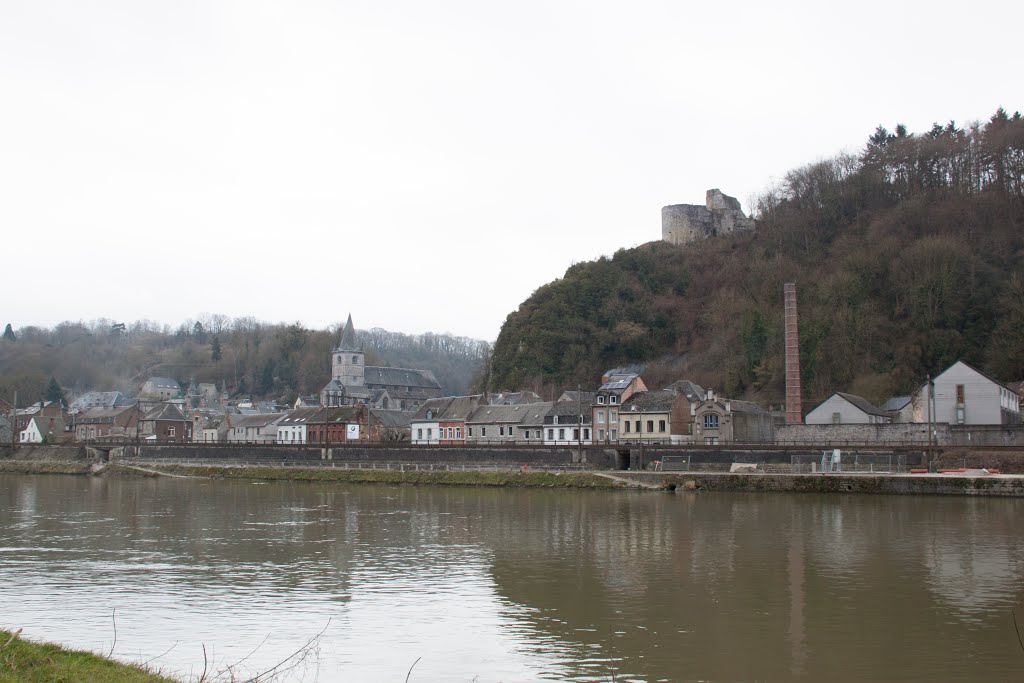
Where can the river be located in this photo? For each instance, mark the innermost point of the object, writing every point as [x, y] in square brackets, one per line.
[463, 584]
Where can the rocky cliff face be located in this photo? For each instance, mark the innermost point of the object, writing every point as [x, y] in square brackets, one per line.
[720, 215]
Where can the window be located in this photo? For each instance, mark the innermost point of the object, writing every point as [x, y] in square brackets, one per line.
[430, 414]
[355, 360]
[600, 435]
[613, 399]
[960, 393]
[600, 400]
[419, 433]
[613, 434]
[469, 432]
[627, 426]
[450, 432]
[661, 425]
[554, 419]
[483, 431]
[600, 417]
[650, 426]
[170, 431]
[538, 433]
[837, 418]
[561, 434]
[613, 416]
[551, 434]
[586, 435]
[430, 433]
[638, 426]
[339, 359]
[710, 422]
[458, 432]
[711, 440]
[501, 431]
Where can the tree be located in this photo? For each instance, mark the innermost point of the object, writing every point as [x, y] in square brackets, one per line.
[198, 332]
[9, 333]
[215, 349]
[54, 393]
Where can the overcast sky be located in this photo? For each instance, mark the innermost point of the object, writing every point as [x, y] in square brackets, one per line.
[425, 166]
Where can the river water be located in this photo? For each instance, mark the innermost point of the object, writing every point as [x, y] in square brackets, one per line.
[366, 582]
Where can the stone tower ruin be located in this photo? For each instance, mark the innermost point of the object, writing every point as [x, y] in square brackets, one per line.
[721, 215]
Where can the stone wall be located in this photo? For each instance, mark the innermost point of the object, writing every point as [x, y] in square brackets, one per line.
[721, 215]
[881, 434]
[987, 435]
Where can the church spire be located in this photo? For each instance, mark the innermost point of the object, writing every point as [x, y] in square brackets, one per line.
[348, 337]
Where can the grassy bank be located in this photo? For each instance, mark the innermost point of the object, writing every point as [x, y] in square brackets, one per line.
[518, 479]
[24, 660]
[42, 467]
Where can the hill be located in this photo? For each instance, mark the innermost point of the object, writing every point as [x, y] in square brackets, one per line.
[246, 355]
[906, 258]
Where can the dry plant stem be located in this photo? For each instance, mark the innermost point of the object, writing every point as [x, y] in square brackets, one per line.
[230, 670]
[113, 618]
[410, 669]
[11, 639]
[301, 651]
[206, 664]
[1016, 628]
[146, 663]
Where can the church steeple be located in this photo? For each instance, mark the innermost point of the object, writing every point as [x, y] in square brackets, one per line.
[347, 360]
[348, 337]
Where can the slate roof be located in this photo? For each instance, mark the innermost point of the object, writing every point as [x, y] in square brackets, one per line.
[393, 419]
[299, 416]
[693, 392]
[569, 409]
[163, 383]
[512, 398]
[489, 414]
[399, 377]
[538, 411]
[745, 407]
[257, 420]
[165, 411]
[348, 337]
[99, 399]
[587, 397]
[896, 403]
[448, 408]
[48, 425]
[862, 404]
[335, 415]
[101, 414]
[649, 402]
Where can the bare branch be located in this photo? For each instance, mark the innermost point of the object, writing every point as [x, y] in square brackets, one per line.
[410, 669]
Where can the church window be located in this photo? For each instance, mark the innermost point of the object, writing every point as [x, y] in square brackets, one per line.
[355, 360]
[339, 359]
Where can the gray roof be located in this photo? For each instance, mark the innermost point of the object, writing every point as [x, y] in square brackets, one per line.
[348, 337]
[693, 392]
[511, 398]
[586, 397]
[863, 404]
[448, 408]
[299, 416]
[488, 414]
[165, 411]
[257, 420]
[535, 418]
[399, 377]
[163, 383]
[102, 413]
[649, 401]
[99, 399]
[618, 382]
[394, 419]
[745, 407]
[896, 403]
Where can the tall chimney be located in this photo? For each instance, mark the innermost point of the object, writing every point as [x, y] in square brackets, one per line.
[794, 411]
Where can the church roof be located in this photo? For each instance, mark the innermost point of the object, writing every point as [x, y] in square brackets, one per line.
[348, 337]
[399, 377]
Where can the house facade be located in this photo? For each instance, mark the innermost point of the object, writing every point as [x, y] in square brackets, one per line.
[646, 417]
[568, 423]
[616, 386]
[41, 428]
[963, 395]
[166, 423]
[292, 429]
[843, 408]
[258, 428]
[107, 423]
[442, 421]
[718, 420]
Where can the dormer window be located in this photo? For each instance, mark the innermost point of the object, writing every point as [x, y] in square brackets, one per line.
[613, 399]
[600, 399]
[430, 415]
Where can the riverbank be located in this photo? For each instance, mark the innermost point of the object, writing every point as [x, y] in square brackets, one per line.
[25, 660]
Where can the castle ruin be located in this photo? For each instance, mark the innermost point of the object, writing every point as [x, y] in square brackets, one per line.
[721, 215]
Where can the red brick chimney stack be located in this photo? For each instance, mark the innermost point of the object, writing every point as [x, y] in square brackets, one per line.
[794, 408]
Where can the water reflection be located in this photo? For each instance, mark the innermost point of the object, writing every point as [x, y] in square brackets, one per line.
[515, 585]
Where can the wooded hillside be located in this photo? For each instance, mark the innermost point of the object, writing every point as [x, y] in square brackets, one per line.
[248, 356]
[906, 258]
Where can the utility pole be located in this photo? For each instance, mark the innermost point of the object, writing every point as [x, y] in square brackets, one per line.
[579, 430]
[14, 420]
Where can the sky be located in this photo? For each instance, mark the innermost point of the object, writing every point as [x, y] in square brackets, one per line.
[425, 166]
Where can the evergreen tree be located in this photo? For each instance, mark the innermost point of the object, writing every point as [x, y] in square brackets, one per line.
[215, 349]
[54, 393]
[9, 333]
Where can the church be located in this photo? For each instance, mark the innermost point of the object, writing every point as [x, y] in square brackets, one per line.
[355, 383]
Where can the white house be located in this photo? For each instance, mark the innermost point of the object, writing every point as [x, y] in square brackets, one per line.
[40, 428]
[840, 408]
[292, 428]
[964, 395]
[260, 428]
